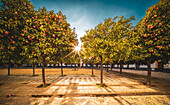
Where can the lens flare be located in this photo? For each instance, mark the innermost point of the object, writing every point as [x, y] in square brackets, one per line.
[77, 48]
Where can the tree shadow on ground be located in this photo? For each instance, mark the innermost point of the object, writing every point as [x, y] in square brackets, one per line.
[158, 84]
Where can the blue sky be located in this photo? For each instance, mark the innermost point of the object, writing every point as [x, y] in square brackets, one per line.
[86, 14]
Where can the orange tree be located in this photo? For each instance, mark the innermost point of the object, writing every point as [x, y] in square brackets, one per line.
[13, 15]
[120, 45]
[65, 50]
[135, 51]
[95, 43]
[90, 59]
[48, 33]
[93, 60]
[154, 34]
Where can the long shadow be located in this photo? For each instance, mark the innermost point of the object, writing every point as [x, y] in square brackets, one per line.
[160, 85]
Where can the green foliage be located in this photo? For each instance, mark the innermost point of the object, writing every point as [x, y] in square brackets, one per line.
[62, 75]
[109, 40]
[118, 42]
[28, 35]
[154, 32]
[42, 86]
[104, 85]
[12, 19]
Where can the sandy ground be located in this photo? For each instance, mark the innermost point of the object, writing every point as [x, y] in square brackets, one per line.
[50, 71]
[139, 73]
[159, 75]
[125, 89]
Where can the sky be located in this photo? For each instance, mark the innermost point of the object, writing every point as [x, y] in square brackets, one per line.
[86, 14]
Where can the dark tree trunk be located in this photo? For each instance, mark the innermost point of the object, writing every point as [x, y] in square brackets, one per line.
[75, 66]
[160, 66]
[121, 66]
[61, 68]
[9, 66]
[86, 65]
[117, 66]
[101, 83]
[18, 65]
[137, 66]
[54, 65]
[92, 67]
[33, 66]
[128, 66]
[43, 72]
[149, 72]
[66, 65]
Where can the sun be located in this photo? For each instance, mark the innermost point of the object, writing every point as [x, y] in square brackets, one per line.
[77, 48]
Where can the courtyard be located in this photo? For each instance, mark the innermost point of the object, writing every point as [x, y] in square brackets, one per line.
[81, 89]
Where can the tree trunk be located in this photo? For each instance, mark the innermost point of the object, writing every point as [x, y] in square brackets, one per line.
[149, 72]
[92, 67]
[117, 66]
[61, 68]
[121, 66]
[54, 65]
[101, 83]
[137, 66]
[33, 66]
[43, 72]
[9, 66]
[77, 66]
[128, 66]
[86, 65]
[160, 66]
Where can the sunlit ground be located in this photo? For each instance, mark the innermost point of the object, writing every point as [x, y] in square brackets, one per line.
[50, 71]
[79, 88]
